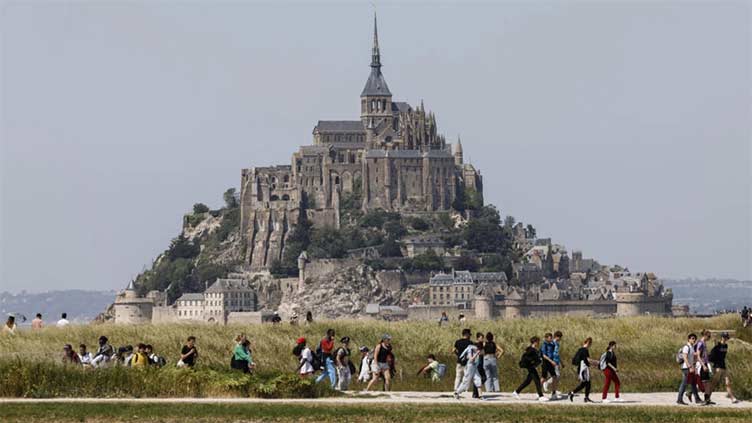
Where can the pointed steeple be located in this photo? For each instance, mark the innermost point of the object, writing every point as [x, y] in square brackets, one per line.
[375, 85]
[375, 54]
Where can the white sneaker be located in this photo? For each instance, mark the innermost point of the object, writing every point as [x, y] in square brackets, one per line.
[516, 395]
[606, 401]
[542, 399]
[618, 400]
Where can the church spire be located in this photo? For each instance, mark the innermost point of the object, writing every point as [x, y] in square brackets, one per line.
[375, 54]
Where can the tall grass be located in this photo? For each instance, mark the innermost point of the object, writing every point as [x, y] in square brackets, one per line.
[646, 347]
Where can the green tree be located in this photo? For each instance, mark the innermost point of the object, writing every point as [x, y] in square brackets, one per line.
[327, 243]
[199, 208]
[428, 261]
[181, 247]
[466, 263]
[419, 224]
[509, 221]
[390, 248]
[229, 196]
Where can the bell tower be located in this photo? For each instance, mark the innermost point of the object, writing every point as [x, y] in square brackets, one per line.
[376, 99]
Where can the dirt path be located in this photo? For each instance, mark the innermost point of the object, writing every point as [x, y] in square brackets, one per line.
[630, 399]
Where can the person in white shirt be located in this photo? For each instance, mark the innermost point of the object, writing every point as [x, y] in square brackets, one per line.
[688, 369]
[63, 322]
[305, 363]
[365, 365]
[84, 356]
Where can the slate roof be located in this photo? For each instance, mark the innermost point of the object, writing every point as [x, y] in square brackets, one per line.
[400, 107]
[191, 297]
[229, 285]
[376, 84]
[340, 126]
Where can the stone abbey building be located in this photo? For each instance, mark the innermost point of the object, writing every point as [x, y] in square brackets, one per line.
[392, 156]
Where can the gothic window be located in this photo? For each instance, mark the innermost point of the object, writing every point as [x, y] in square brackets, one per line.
[274, 198]
[286, 178]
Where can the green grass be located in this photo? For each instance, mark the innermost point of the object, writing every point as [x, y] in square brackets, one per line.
[646, 347]
[359, 412]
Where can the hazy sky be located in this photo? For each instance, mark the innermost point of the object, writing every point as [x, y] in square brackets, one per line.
[621, 129]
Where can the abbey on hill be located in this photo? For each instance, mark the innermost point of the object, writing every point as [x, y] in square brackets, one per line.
[378, 217]
[392, 156]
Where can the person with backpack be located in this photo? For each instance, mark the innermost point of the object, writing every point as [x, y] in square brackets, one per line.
[325, 352]
[581, 362]
[686, 358]
[491, 352]
[364, 374]
[718, 360]
[551, 368]
[139, 359]
[380, 365]
[345, 368]
[459, 346]
[305, 358]
[529, 361]
[471, 356]
[610, 369]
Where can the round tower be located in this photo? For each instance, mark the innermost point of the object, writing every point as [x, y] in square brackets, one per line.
[629, 303]
[483, 307]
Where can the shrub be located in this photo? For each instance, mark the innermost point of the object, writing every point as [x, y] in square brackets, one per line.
[420, 224]
[199, 208]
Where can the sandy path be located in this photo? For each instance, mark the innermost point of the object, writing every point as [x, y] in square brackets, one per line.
[630, 399]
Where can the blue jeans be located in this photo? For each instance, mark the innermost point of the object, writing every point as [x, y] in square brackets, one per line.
[492, 373]
[329, 371]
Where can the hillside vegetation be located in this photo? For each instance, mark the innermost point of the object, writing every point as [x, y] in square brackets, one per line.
[646, 348]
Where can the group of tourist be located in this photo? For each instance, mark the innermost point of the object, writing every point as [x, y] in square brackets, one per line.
[336, 364]
[141, 356]
[703, 371]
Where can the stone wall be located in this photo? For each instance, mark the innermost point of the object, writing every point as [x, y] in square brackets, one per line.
[166, 314]
[248, 317]
[317, 268]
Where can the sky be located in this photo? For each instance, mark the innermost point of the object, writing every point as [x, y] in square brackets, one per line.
[618, 128]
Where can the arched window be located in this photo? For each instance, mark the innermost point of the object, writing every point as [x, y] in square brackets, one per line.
[286, 178]
[274, 198]
[286, 197]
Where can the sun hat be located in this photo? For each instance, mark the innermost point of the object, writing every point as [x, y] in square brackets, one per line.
[301, 340]
[385, 337]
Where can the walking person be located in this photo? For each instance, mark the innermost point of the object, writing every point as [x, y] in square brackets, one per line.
[380, 365]
[491, 352]
[702, 372]
[364, 375]
[610, 372]
[305, 358]
[581, 362]
[459, 347]
[37, 323]
[189, 353]
[687, 359]
[471, 356]
[242, 358]
[718, 360]
[480, 339]
[552, 358]
[327, 358]
[343, 364]
[529, 361]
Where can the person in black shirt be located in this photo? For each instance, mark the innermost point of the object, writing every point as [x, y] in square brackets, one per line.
[480, 339]
[718, 360]
[459, 347]
[189, 353]
[530, 360]
[581, 362]
[611, 374]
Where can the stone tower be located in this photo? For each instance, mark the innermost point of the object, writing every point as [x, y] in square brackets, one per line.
[458, 158]
[376, 99]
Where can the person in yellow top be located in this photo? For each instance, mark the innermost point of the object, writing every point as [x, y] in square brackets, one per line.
[140, 359]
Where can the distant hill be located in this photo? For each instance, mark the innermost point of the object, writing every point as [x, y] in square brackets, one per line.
[81, 306]
[706, 296]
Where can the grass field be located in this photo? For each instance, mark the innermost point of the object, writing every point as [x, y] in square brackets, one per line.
[646, 347]
[374, 413]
